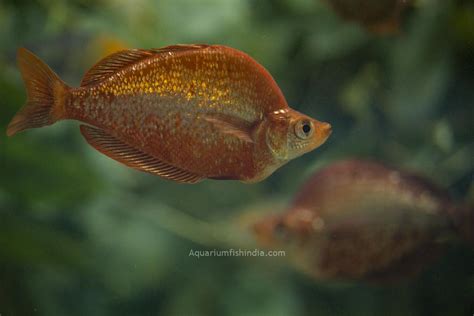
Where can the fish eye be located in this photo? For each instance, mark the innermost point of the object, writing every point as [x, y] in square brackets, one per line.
[280, 231]
[304, 129]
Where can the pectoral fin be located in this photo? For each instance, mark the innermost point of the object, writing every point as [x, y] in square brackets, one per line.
[134, 158]
[228, 125]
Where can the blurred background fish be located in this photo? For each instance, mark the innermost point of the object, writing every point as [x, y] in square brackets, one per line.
[377, 16]
[360, 220]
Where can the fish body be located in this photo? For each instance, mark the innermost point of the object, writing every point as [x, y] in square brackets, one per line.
[183, 112]
[362, 221]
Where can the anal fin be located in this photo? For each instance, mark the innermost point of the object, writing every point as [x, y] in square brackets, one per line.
[134, 158]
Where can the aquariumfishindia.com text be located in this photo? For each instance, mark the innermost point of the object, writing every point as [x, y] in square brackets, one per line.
[236, 253]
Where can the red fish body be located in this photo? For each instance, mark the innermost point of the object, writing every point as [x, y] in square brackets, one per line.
[184, 112]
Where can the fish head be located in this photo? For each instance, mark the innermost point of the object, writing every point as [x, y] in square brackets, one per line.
[274, 232]
[270, 231]
[290, 229]
[291, 134]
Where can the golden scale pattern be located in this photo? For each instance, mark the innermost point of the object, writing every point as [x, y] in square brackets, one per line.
[165, 97]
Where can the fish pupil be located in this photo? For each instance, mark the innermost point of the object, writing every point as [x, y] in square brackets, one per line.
[280, 231]
[306, 128]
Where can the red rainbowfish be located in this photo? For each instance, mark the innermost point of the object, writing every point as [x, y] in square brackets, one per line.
[182, 112]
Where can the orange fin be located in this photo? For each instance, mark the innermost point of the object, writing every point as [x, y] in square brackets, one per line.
[232, 126]
[134, 158]
[119, 60]
[45, 94]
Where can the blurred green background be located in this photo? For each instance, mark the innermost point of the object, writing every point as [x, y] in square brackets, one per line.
[83, 235]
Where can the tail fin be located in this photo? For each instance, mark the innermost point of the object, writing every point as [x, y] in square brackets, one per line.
[45, 94]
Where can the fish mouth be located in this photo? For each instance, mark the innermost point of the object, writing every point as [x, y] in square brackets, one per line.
[326, 129]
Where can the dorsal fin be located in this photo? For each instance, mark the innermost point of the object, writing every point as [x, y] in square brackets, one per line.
[117, 61]
[134, 158]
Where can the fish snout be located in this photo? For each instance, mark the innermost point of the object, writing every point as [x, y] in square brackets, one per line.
[264, 230]
[325, 129]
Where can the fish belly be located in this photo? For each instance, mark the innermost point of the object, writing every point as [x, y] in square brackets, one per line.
[171, 129]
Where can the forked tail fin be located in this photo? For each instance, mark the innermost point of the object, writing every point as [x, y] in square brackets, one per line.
[45, 94]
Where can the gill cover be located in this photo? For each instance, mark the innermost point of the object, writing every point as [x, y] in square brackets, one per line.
[277, 133]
